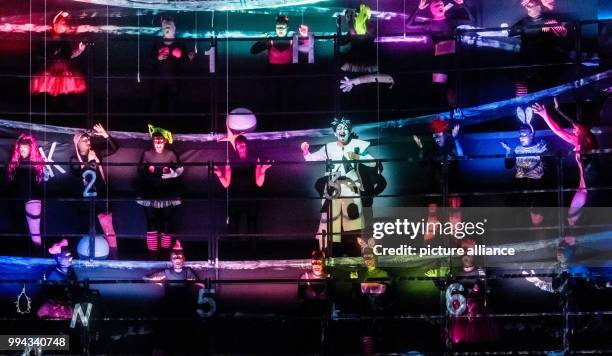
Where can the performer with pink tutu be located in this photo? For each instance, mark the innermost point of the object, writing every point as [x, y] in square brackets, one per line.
[59, 76]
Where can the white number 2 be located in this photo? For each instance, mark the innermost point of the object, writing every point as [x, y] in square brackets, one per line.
[92, 180]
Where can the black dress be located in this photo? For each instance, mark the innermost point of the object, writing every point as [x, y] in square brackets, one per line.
[24, 185]
[243, 186]
[103, 148]
[153, 190]
[166, 84]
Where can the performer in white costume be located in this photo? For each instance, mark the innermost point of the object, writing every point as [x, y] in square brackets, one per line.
[346, 207]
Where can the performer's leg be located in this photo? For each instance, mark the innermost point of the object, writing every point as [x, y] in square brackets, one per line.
[33, 209]
[165, 223]
[106, 222]
[152, 230]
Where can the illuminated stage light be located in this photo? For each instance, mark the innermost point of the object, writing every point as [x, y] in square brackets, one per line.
[201, 5]
[401, 39]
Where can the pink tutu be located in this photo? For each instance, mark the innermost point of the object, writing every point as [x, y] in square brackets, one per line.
[60, 77]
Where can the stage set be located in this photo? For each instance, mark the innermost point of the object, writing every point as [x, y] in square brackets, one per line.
[415, 177]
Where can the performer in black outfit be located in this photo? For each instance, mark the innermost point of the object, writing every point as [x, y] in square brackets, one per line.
[441, 28]
[315, 295]
[59, 297]
[169, 56]
[25, 178]
[244, 179]
[447, 146]
[279, 51]
[159, 184]
[89, 152]
[60, 76]
[539, 45]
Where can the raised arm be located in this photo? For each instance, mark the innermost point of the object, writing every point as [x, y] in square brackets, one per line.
[225, 175]
[260, 172]
[422, 5]
[458, 147]
[319, 155]
[558, 130]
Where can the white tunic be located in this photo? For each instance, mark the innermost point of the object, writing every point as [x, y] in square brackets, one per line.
[349, 187]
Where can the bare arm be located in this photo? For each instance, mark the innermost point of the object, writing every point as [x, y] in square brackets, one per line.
[567, 137]
[225, 176]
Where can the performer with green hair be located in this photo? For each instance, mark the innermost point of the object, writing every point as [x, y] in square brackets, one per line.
[159, 174]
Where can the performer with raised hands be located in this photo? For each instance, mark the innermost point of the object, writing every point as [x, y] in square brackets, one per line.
[441, 27]
[582, 140]
[346, 206]
[89, 152]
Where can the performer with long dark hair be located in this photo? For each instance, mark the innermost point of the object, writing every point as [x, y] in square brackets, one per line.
[26, 175]
[582, 139]
[159, 174]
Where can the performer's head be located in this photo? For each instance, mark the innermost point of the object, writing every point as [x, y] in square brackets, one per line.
[26, 149]
[533, 7]
[282, 24]
[343, 130]
[317, 261]
[437, 9]
[526, 135]
[60, 25]
[159, 138]
[369, 258]
[177, 257]
[168, 27]
[62, 255]
[159, 142]
[362, 15]
[241, 146]
[439, 130]
[82, 142]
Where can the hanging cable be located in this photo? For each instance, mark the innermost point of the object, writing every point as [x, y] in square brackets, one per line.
[138, 47]
[195, 34]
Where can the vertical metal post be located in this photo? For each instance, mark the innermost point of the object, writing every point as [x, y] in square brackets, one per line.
[214, 120]
[337, 65]
[90, 83]
[92, 227]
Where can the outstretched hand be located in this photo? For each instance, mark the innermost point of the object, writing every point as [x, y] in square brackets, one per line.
[266, 166]
[99, 130]
[539, 109]
[170, 175]
[505, 146]
[455, 131]
[305, 148]
[423, 4]
[418, 142]
[346, 85]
